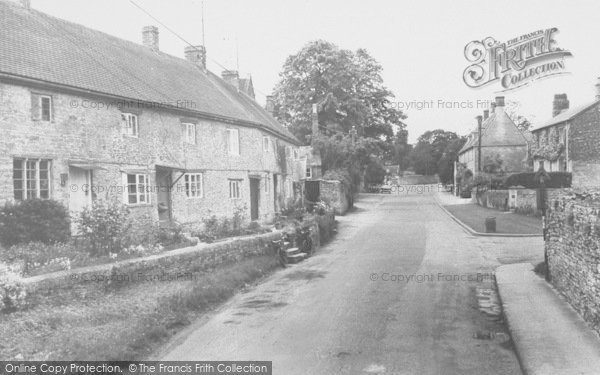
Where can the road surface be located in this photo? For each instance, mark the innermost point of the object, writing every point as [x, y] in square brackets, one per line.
[396, 292]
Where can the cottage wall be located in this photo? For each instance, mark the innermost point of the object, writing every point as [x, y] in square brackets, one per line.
[86, 129]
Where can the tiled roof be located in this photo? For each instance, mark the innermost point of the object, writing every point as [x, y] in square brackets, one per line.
[565, 116]
[498, 130]
[36, 46]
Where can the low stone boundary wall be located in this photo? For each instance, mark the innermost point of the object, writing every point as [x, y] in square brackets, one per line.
[181, 264]
[573, 248]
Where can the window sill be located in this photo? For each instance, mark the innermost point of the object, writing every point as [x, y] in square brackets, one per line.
[131, 136]
[194, 198]
[138, 205]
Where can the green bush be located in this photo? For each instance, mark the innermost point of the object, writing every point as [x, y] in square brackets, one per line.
[34, 220]
[528, 180]
[105, 226]
[36, 256]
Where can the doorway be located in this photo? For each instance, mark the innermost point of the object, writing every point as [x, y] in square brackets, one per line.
[254, 198]
[80, 193]
[163, 195]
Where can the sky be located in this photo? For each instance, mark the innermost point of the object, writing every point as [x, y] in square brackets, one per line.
[420, 44]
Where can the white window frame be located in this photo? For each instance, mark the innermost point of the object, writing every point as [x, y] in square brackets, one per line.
[190, 133]
[36, 179]
[194, 185]
[266, 143]
[142, 189]
[130, 124]
[308, 172]
[233, 142]
[42, 97]
[234, 189]
[267, 183]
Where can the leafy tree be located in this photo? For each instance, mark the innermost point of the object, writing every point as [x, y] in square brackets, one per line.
[449, 156]
[513, 110]
[422, 159]
[429, 150]
[347, 87]
[375, 173]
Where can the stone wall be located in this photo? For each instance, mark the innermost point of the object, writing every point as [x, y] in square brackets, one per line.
[180, 264]
[573, 248]
[337, 194]
[88, 130]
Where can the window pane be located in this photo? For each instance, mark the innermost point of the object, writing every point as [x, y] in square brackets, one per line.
[132, 198]
[131, 179]
[45, 109]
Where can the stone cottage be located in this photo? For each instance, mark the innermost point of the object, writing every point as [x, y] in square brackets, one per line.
[501, 142]
[85, 116]
[570, 141]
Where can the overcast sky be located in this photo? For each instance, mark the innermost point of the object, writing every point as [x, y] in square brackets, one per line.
[419, 43]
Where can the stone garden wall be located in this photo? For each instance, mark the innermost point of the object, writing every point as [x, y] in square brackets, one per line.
[573, 248]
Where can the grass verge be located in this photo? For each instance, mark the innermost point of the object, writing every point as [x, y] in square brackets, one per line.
[129, 323]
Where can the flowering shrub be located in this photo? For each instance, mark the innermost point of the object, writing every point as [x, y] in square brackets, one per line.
[321, 207]
[12, 294]
[35, 256]
[34, 220]
[139, 251]
[105, 226]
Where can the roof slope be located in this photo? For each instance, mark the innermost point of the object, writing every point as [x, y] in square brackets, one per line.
[566, 115]
[498, 130]
[37, 46]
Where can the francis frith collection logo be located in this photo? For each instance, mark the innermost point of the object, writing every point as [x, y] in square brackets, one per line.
[514, 63]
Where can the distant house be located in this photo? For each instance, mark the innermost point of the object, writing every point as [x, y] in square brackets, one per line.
[87, 116]
[570, 141]
[501, 142]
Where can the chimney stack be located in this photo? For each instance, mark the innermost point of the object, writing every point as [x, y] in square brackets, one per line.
[150, 37]
[270, 104]
[560, 104]
[486, 114]
[479, 135]
[232, 77]
[196, 55]
[24, 3]
[499, 104]
[598, 89]
[315, 121]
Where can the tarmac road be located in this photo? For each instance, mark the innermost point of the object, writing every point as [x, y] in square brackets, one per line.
[396, 292]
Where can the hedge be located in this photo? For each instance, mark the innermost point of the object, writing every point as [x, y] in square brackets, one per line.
[34, 220]
[530, 181]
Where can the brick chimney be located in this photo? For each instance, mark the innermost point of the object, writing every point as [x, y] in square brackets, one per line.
[150, 37]
[479, 135]
[232, 77]
[559, 104]
[270, 104]
[315, 121]
[196, 55]
[499, 104]
[486, 114]
[24, 3]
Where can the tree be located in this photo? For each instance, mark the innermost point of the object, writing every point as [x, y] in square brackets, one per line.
[449, 156]
[347, 87]
[429, 150]
[422, 160]
[513, 110]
